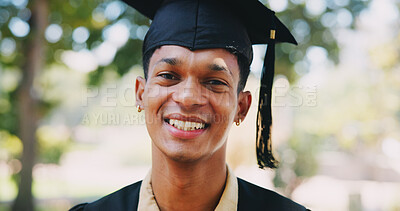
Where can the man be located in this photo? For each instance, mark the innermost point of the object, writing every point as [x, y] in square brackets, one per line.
[196, 59]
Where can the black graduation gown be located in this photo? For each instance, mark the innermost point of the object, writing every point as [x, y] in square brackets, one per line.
[251, 197]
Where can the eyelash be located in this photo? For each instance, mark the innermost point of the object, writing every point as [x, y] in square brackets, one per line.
[218, 82]
[209, 83]
[168, 76]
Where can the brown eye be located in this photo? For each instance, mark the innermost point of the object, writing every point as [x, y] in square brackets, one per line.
[168, 76]
[216, 82]
[217, 86]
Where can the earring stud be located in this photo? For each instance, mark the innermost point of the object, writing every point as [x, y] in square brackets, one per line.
[238, 122]
[138, 108]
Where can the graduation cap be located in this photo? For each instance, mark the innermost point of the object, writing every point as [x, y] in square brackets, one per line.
[228, 24]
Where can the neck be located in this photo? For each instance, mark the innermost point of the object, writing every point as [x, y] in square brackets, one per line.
[195, 185]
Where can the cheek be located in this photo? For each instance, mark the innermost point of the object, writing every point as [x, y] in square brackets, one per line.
[154, 96]
[152, 92]
[224, 107]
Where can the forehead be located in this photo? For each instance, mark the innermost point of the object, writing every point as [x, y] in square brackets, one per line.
[217, 56]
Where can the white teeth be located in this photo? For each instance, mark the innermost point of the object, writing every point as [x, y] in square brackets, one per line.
[186, 126]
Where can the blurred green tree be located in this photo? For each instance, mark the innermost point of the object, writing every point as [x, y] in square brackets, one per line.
[316, 25]
[356, 119]
[33, 36]
[313, 23]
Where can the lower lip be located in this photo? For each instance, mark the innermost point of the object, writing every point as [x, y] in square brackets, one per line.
[184, 134]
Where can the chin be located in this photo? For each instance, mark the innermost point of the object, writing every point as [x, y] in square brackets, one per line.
[184, 158]
[183, 155]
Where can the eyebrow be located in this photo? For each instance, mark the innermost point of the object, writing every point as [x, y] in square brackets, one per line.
[216, 67]
[170, 61]
[176, 61]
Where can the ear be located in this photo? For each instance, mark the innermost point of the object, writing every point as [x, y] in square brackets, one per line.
[244, 102]
[139, 89]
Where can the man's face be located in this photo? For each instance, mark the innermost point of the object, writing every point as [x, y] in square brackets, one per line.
[191, 100]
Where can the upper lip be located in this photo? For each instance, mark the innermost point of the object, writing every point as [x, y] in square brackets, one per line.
[190, 118]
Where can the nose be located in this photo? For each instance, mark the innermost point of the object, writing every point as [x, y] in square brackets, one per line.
[189, 94]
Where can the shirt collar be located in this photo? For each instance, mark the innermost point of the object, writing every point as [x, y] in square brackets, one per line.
[228, 200]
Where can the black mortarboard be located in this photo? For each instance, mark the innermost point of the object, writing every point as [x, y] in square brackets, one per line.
[229, 24]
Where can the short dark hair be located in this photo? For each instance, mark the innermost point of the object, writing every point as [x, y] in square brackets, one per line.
[243, 63]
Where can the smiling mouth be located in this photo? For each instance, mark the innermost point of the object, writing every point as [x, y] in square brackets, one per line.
[186, 125]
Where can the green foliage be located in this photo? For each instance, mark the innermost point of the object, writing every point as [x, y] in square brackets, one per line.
[298, 161]
[10, 146]
[299, 155]
[52, 142]
[69, 15]
[129, 54]
[312, 30]
[9, 79]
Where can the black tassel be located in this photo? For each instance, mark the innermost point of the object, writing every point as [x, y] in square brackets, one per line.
[265, 157]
